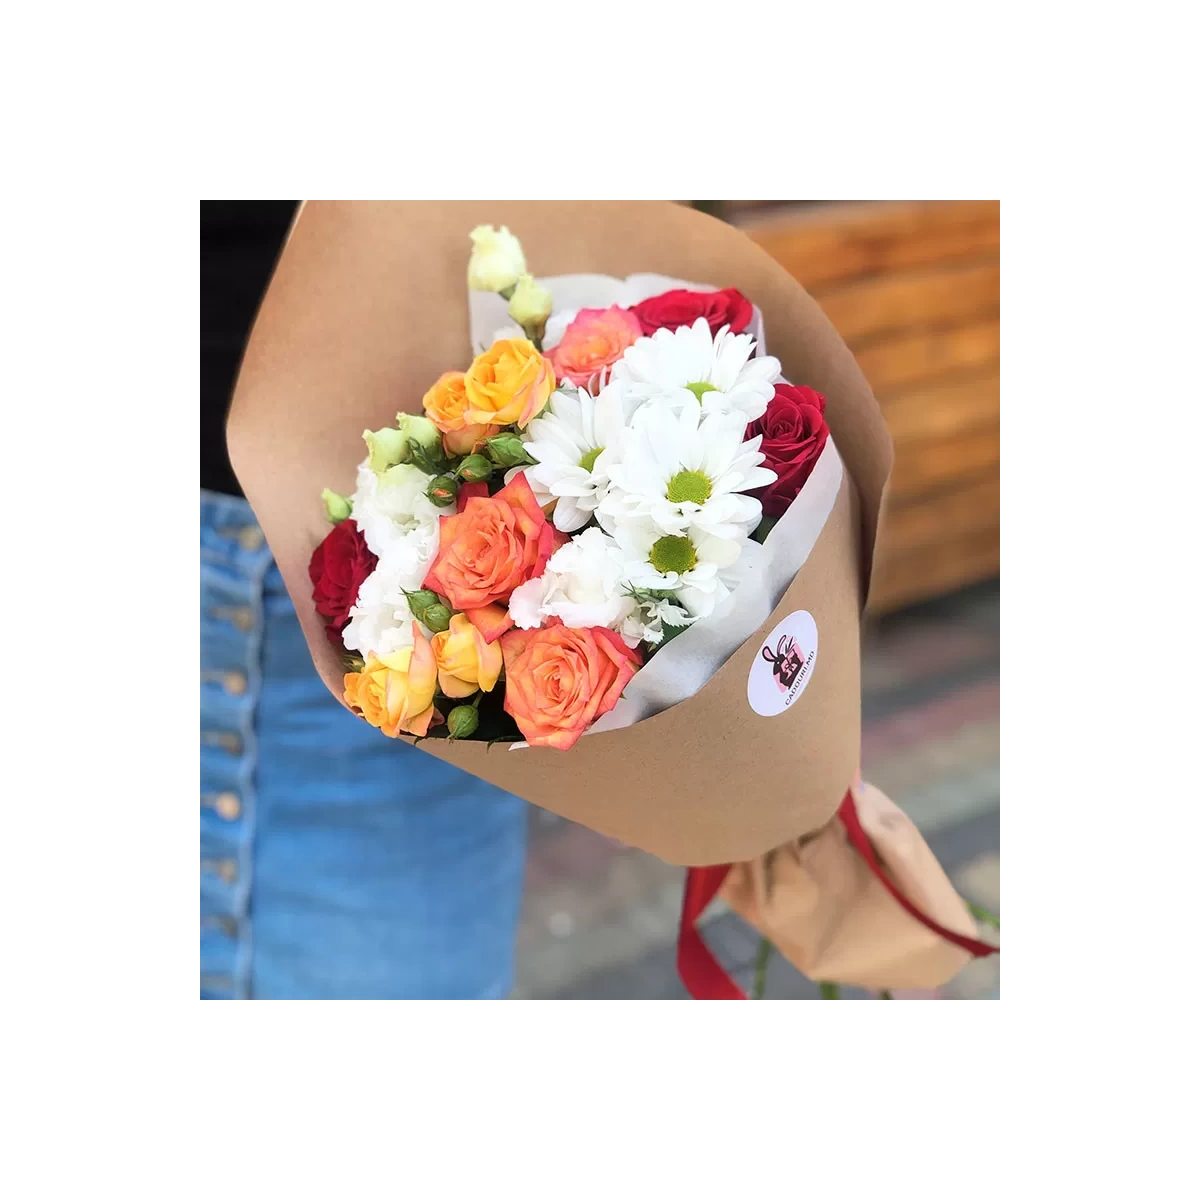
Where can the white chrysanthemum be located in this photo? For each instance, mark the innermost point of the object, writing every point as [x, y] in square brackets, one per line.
[698, 569]
[397, 519]
[380, 621]
[689, 364]
[586, 583]
[685, 471]
[569, 441]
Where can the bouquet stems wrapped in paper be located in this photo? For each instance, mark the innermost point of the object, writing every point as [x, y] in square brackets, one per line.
[616, 566]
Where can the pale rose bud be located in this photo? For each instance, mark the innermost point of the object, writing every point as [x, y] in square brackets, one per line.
[497, 261]
[474, 469]
[437, 617]
[530, 304]
[337, 508]
[507, 450]
[420, 430]
[462, 721]
[443, 490]
[385, 448]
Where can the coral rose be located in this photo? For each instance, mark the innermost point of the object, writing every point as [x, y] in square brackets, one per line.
[593, 341]
[446, 406]
[466, 662]
[395, 693]
[490, 548]
[559, 681]
[508, 384]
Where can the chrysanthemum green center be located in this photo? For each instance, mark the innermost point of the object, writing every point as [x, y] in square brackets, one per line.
[698, 389]
[689, 485]
[588, 461]
[673, 554]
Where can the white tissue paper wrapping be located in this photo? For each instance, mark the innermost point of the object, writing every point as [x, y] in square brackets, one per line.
[682, 667]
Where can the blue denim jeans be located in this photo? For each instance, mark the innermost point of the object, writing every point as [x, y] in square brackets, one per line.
[335, 863]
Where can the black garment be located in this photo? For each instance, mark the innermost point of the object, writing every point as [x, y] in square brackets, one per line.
[239, 243]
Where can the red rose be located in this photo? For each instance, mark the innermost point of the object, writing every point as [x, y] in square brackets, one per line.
[337, 568]
[681, 307]
[793, 435]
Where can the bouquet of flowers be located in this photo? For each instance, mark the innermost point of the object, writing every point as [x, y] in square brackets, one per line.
[619, 531]
[594, 484]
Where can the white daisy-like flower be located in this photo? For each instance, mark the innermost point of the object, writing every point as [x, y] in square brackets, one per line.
[685, 471]
[397, 519]
[698, 569]
[570, 441]
[380, 621]
[689, 364]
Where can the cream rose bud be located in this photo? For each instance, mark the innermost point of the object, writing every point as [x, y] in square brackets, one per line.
[420, 430]
[530, 304]
[385, 448]
[497, 260]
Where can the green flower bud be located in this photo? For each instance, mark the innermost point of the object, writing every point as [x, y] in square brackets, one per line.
[421, 601]
[474, 469]
[420, 430]
[506, 450]
[337, 508]
[386, 448]
[443, 490]
[462, 721]
[437, 617]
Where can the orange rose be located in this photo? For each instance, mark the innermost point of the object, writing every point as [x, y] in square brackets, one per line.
[446, 406]
[559, 681]
[466, 663]
[395, 693]
[490, 548]
[594, 340]
[508, 384]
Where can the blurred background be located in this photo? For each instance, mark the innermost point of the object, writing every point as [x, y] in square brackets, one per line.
[914, 289]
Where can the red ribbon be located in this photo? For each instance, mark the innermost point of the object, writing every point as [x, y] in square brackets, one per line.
[703, 975]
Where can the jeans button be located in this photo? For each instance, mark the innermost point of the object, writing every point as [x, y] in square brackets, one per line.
[251, 538]
[228, 806]
[235, 683]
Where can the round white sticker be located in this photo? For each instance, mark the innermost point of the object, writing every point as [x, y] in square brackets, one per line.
[783, 665]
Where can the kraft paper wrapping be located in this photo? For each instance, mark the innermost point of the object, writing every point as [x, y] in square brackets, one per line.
[684, 767]
[817, 901]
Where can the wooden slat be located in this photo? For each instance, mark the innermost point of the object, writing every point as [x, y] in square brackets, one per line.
[841, 242]
[933, 570]
[934, 464]
[944, 407]
[960, 512]
[933, 296]
[926, 354]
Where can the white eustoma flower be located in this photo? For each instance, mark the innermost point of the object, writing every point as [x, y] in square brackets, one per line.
[688, 365]
[380, 621]
[569, 441]
[583, 585]
[397, 519]
[698, 569]
[685, 471]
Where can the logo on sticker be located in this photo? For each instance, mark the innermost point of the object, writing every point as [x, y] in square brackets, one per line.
[784, 665]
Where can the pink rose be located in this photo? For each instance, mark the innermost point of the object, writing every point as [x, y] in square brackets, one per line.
[594, 340]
